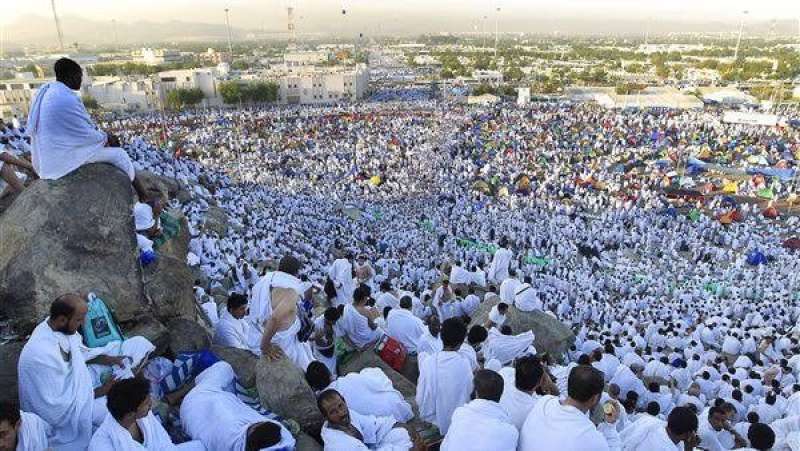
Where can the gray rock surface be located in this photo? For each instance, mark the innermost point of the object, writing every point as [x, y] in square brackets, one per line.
[216, 220]
[74, 234]
[551, 335]
[168, 283]
[187, 336]
[243, 363]
[9, 356]
[283, 389]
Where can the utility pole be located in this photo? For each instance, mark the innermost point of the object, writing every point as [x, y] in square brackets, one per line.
[228, 25]
[496, 32]
[58, 25]
[739, 39]
[116, 38]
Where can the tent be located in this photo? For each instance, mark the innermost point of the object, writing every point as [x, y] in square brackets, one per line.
[756, 258]
[730, 187]
[694, 215]
[482, 187]
[766, 193]
[770, 212]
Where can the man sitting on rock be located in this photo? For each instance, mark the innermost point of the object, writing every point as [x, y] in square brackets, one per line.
[347, 430]
[62, 378]
[232, 329]
[214, 415]
[64, 137]
[368, 392]
[22, 431]
[131, 426]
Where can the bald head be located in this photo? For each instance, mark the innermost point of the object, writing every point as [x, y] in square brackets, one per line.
[67, 313]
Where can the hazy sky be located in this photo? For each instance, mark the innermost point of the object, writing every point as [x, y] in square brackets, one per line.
[252, 12]
[315, 15]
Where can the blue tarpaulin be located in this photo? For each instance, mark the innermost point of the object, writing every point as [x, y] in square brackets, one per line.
[756, 258]
[783, 174]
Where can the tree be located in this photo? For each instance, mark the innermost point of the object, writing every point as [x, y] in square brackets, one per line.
[231, 92]
[179, 98]
[240, 65]
[513, 73]
[629, 88]
[446, 74]
[90, 102]
[662, 71]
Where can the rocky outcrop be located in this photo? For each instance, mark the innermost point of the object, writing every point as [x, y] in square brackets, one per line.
[243, 363]
[9, 356]
[74, 234]
[154, 184]
[216, 221]
[187, 336]
[551, 335]
[168, 283]
[283, 389]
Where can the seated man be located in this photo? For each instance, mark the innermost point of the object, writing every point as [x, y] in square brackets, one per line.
[482, 423]
[497, 316]
[215, 416]
[131, 425]
[368, 392]
[9, 164]
[346, 430]
[403, 326]
[232, 329]
[565, 424]
[358, 321]
[62, 377]
[653, 434]
[63, 136]
[22, 431]
[519, 388]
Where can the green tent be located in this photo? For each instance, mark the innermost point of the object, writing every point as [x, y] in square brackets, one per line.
[694, 215]
[766, 193]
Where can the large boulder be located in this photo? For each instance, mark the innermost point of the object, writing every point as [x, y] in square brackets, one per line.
[283, 389]
[186, 335]
[243, 363]
[9, 356]
[551, 335]
[158, 185]
[152, 329]
[306, 443]
[216, 221]
[74, 234]
[168, 283]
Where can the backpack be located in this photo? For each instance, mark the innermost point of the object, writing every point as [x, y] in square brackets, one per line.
[392, 352]
[99, 328]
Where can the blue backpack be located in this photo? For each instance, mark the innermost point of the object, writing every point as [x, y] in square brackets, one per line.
[99, 328]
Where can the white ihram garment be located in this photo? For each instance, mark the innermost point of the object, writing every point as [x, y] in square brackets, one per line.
[379, 434]
[370, 392]
[444, 384]
[112, 436]
[481, 425]
[33, 433]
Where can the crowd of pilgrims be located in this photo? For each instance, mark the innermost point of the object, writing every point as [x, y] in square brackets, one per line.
[362, 221]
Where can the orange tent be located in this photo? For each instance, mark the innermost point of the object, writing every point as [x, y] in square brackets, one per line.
[770, 212]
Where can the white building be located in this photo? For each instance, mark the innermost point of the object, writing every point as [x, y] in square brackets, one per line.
[295, 61]
[323, 85]
[120, 94]
[488, 77]
[156, 57]
[16, 95]
[204, 79]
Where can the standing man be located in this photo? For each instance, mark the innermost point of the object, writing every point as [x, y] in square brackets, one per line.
[498, 270]
[64, 137]
[444, 383]
[341, 273]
